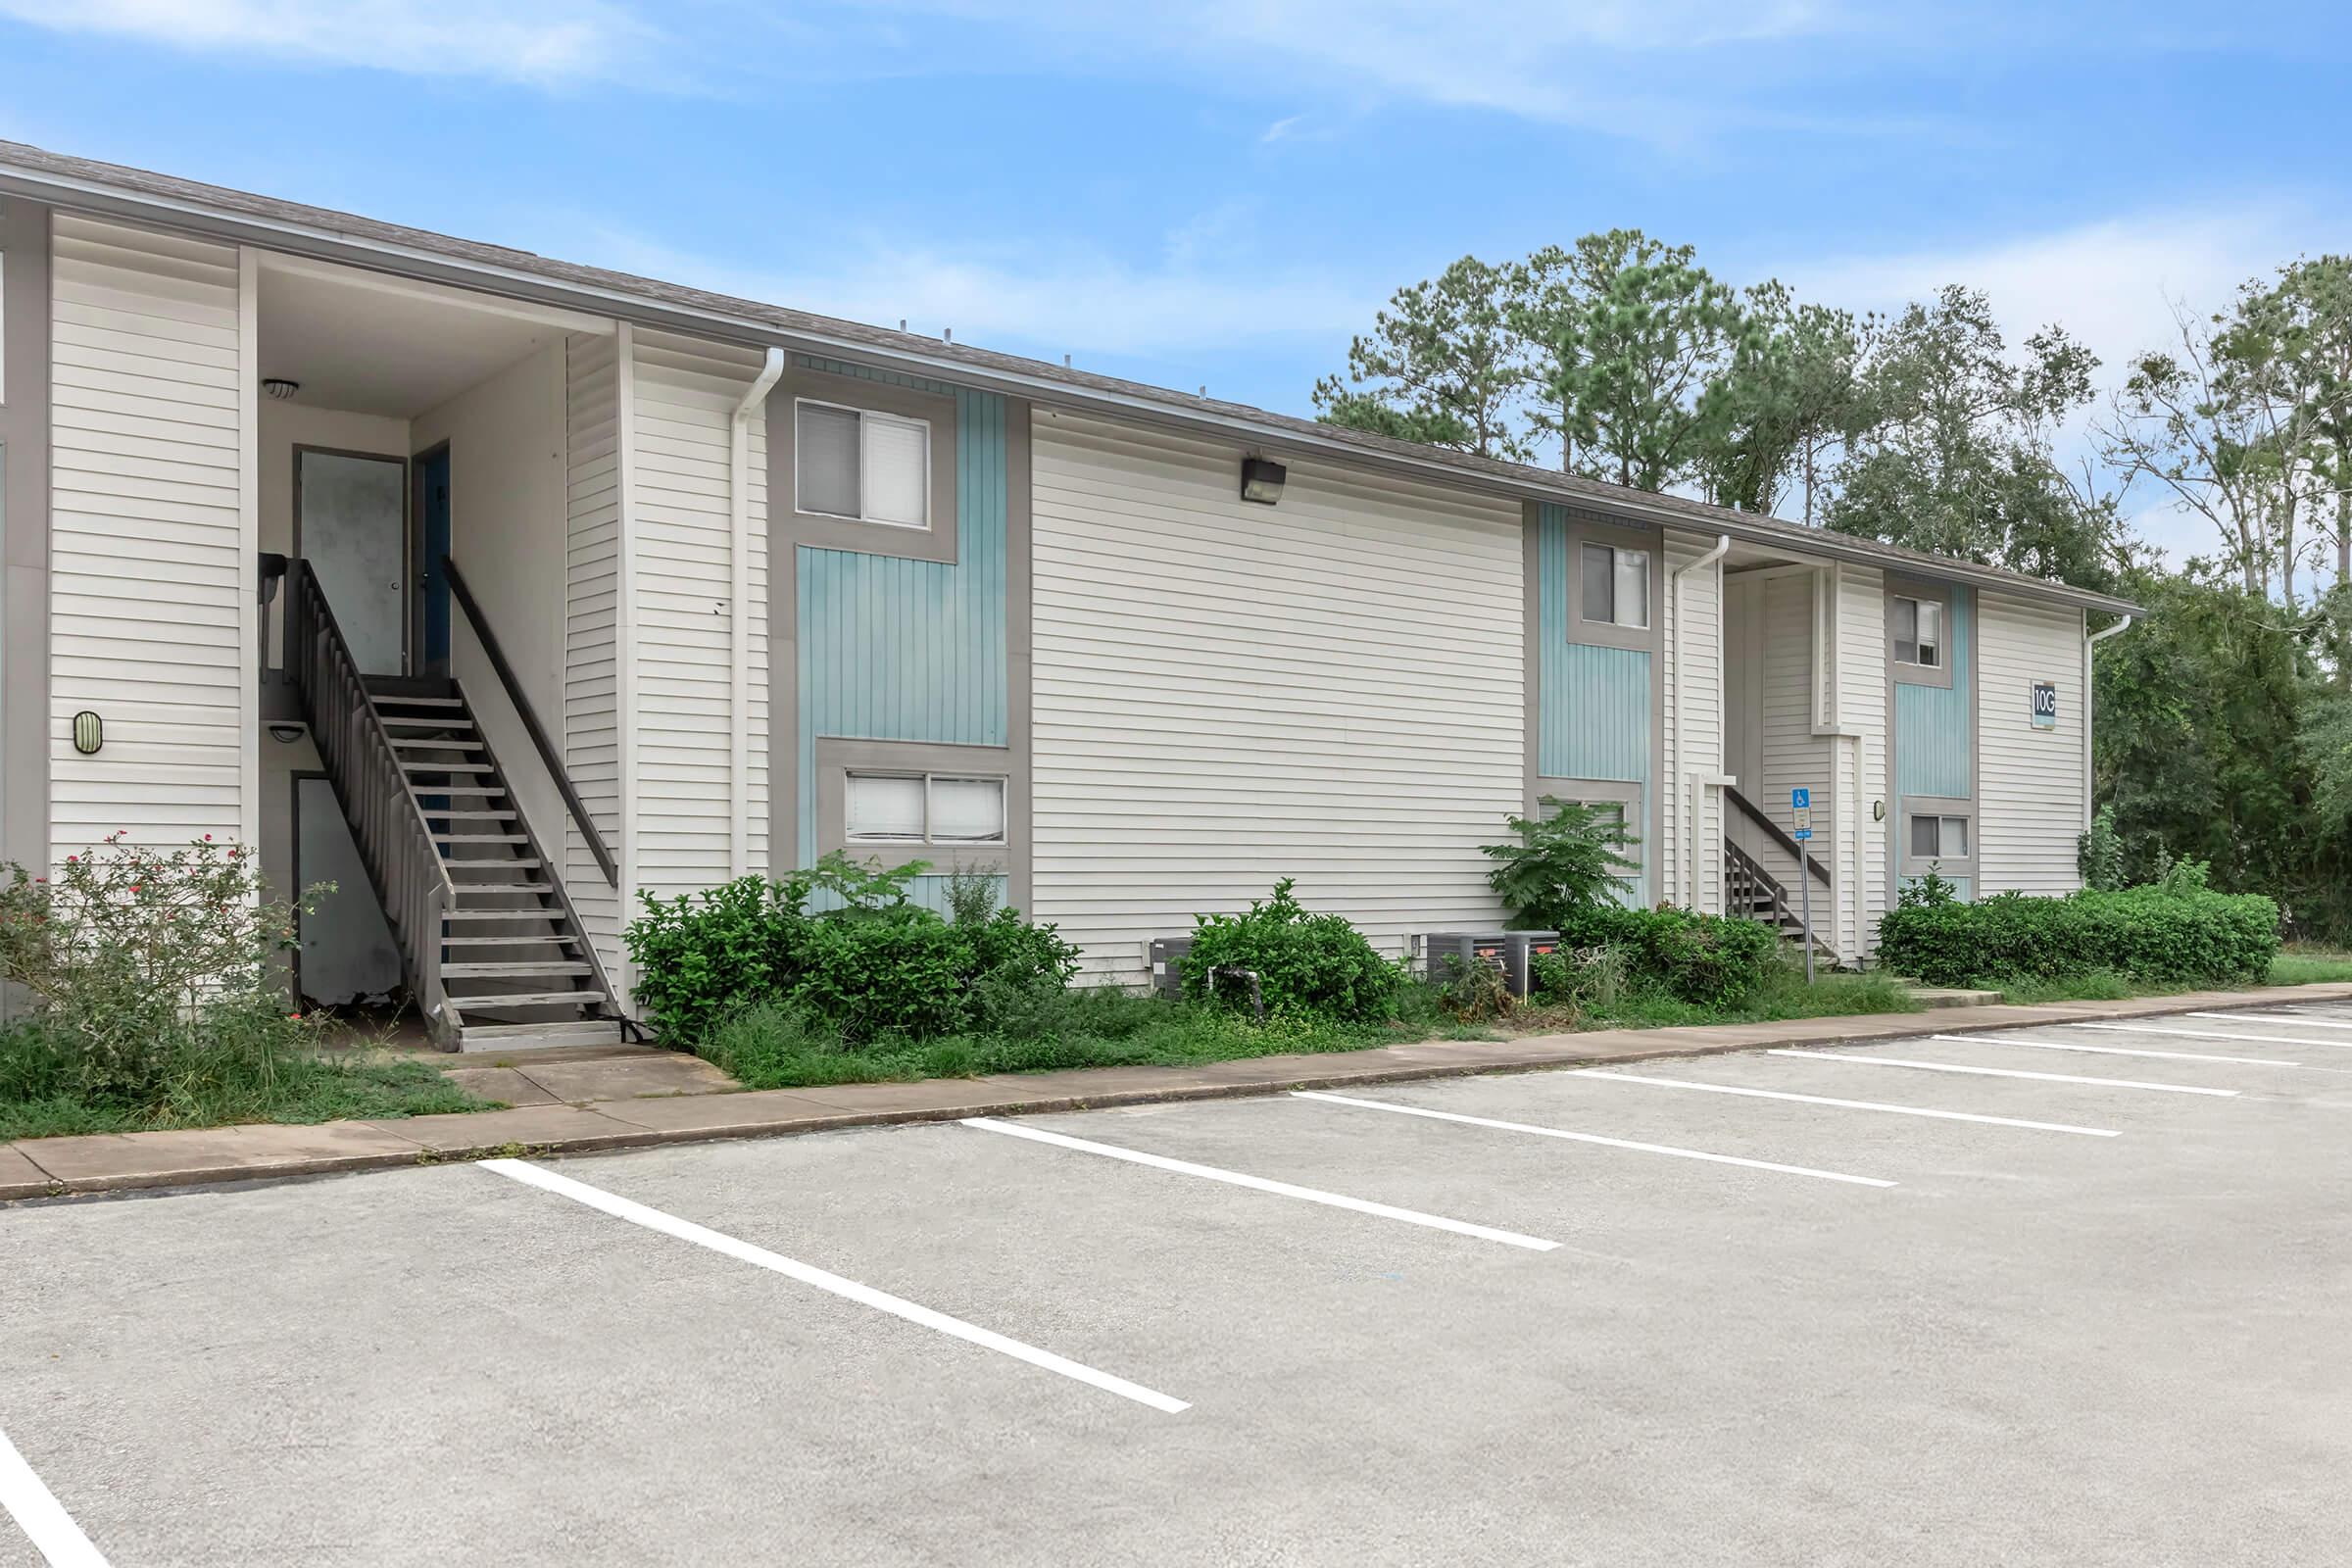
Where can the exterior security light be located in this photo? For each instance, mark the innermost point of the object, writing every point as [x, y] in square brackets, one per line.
[89, 732]
[277, 388]
[1262, 480]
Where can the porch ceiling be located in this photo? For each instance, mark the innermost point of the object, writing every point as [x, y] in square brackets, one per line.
[372, 344]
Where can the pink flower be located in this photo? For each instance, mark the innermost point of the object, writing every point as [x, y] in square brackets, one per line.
[71, 859]
[208, 838]
[134, 887]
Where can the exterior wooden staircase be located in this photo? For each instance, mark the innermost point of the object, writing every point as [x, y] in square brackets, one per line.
[1751, 891]
[494, 955]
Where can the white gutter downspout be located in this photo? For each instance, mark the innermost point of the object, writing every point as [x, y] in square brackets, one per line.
[739, 619]
[1696, 781]
[2090, 646]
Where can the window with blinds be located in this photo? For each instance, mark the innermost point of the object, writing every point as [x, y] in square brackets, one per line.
[923, 808]
[862, 464]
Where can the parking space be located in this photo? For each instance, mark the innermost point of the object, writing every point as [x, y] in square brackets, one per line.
[2023, 1301]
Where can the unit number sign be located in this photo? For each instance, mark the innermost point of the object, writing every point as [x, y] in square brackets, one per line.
[2045, 705]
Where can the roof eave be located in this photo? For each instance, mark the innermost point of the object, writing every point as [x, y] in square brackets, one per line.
[712, 314]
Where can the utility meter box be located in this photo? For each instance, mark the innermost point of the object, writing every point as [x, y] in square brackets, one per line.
[1167, 979]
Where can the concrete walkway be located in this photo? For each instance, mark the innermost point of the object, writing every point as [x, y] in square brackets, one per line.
[662, 1098]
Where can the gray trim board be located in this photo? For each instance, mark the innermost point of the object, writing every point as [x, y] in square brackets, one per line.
[936, 542]
[1649, 638]
[1935, 593]
[836, 759]
[24, 535]
[1950, 865]
[244, 218]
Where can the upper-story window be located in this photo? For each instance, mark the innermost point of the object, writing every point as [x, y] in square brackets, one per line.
[862, 464]
[1616, 586]
[1919, 633]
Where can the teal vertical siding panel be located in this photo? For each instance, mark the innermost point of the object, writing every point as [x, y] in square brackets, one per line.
[1594, 705]
[1934, 726]
[899, 650]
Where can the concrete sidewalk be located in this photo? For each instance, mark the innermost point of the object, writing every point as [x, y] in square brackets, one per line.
[685, 1104]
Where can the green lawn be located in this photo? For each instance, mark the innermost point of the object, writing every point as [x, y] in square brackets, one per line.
[2298, 966]
[768, 1048]
[41, 1096]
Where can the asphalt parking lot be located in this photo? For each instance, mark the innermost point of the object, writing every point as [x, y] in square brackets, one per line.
[2073, 1293]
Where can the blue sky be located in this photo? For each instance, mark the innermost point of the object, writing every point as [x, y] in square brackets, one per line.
[1220, 193]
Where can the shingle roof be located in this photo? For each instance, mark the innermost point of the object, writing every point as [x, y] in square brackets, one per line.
[99, 186]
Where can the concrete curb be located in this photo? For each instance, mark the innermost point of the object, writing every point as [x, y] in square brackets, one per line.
[78, 1166]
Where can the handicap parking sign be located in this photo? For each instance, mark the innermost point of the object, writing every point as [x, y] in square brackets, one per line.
[1800, 807]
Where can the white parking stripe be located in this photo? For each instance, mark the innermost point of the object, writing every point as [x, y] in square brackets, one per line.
[1589, 1137]
[2207, 1034]
[2111, 1051]
[653, 1219]
[2296, 1019]
[43, 1519]
[2000, 1072]
[1849, 1105]
[1260, 1184]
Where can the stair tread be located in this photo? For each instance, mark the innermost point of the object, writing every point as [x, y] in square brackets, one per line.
[528, 998]
[380, 699]
[533, 912]
[508, 887]
[528, 863]
[558, 1032]
[510, 968]
[564, 938]
[479, 838]
[445, 767]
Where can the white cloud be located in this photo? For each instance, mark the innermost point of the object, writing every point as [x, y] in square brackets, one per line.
[536, 41]
[2113, 283]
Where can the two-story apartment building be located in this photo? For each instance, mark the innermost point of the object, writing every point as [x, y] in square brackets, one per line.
[501, 591]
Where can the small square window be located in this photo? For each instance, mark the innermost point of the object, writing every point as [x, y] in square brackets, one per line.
[967, 810]
[885, 809]
[1919, 633]
[1938, 838]
[1616, 586]
[860, 465]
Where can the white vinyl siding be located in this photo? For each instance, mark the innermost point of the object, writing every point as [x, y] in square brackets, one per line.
[1225, 694]
[686, 391]
[152, 519]
[1772, 674]
[1862, 842]
[1694, 718]
[2029, 781]
[591, 646]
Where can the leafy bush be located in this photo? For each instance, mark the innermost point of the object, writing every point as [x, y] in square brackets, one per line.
[2099, 853]
[1583, 977]
[1309, 965]
[870, 963]
[1475, 991]
[1563, 864]
[2174, 932]
[142, 964]
[1710, 961]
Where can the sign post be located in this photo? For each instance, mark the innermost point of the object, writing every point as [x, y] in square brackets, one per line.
[1800, 807]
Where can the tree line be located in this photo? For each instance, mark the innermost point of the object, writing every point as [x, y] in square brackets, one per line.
[2226, 718]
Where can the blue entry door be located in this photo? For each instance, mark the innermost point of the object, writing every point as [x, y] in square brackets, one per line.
[432, 583]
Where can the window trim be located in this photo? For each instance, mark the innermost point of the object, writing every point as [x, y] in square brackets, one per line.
[1582, 531]
[837, 760]
[790, 527]
[887, 416]
[1906, 670]
[1937, 805]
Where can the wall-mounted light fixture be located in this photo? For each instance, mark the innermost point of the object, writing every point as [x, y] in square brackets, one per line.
[285, 734]
[277, 388]
[89, 732]
[1263, 480]
[1878, 811]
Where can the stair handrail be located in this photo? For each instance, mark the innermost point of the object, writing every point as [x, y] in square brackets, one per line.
[1778, 834]
[497, 654]
[630, 1028]
[363, 767]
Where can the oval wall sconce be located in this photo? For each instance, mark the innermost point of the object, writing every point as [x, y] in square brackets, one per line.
[89, 732]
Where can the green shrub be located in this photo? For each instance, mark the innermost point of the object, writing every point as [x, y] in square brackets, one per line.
[1314, 967]
[141, 962]
[2099, 853]
[1475, 991]
[2174, 932]
[1709, 960]
[870, 963]
[1563, 864]
[1581, 977]
[704, 956]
